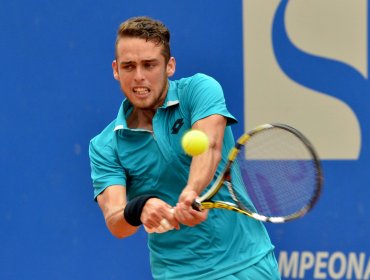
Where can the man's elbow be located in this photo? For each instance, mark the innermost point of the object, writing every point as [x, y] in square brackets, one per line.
[121, 232]
[118, 235]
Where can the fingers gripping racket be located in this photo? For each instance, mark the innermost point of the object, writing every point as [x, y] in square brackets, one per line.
[273, 174]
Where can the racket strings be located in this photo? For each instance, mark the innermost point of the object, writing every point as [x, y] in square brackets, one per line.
[278, 172]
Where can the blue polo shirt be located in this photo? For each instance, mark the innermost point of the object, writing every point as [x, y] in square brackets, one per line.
[153, 162]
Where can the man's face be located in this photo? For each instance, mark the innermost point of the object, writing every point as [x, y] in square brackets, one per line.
[142, 72]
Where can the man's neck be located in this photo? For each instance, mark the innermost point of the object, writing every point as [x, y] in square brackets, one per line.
[140, 118]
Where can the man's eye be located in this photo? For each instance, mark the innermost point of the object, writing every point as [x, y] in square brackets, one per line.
[127, 67]
[149, 65]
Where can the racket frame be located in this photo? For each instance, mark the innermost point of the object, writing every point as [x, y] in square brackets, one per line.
[205, 202]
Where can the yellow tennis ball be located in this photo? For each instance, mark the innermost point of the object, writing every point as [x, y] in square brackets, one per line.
[195, 142]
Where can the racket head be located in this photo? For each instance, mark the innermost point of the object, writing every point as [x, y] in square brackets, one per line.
[276, 175]
[281, 173]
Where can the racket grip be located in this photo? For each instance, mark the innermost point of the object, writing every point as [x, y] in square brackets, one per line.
[196, 205]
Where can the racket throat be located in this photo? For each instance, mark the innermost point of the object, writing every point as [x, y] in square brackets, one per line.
[231, 191]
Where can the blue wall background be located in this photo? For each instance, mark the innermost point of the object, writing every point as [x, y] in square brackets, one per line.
[57, 92]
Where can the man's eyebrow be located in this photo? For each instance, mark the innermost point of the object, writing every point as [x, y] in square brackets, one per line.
[126, 62]
[142, 61]
[150, 60]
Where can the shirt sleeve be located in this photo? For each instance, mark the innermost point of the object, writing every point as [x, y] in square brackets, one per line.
[106, 169]
[205, 97]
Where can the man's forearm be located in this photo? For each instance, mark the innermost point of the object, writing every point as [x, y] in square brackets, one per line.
[117, 224]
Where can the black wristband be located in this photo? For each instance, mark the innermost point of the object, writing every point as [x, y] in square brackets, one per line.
[133, 209]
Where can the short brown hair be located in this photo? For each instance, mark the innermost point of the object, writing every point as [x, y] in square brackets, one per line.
[148, 29]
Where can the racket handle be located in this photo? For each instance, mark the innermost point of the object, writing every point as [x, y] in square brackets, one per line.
[196, 205]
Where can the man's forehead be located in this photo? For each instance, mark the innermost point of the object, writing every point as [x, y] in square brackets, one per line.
[126, 42]
[138, 49]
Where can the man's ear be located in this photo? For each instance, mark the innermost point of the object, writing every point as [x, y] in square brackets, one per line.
[115, 69]
[171, 67]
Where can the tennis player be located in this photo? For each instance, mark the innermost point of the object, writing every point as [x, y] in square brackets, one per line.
[140, 171]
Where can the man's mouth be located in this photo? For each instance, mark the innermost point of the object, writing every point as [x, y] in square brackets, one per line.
[141, 90]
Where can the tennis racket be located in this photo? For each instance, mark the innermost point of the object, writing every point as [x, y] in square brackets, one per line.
[273, 174]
